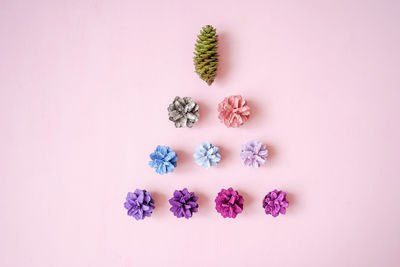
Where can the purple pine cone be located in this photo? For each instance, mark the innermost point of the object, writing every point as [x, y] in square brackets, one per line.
[254, 154]
[275, 202]
[229, 203]
[139, 204]
[183, 203]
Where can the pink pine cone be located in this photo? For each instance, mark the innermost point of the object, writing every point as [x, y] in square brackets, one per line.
[233, 111]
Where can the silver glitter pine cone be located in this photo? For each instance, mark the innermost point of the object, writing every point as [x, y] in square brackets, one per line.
[184, 112]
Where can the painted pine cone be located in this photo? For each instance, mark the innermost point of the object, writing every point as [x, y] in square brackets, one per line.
[184, 112]
[275, 203]
[206, 54]
[163, 160]
[233, 111]
[139, 204]
[229, 203]
[183, 203]
[254, 154]
[207, 155]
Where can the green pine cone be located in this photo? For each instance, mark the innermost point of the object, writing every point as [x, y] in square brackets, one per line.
[206, 55]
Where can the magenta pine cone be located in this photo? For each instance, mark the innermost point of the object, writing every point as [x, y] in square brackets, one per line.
[254, 154]
[229, 203]
[275, 202]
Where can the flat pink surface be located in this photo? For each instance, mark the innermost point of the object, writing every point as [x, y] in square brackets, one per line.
[84, 87]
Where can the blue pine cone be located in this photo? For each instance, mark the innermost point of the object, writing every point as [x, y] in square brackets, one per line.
[207, 155]
[163, 160]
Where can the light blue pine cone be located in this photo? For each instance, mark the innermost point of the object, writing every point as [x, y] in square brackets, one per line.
[207, 155]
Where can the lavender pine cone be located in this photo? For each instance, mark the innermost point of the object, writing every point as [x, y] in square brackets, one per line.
[184, 112]
[275, 203]
[229, 203]
[254, 154]
[207, 155]
[183, 203]
[139, 204]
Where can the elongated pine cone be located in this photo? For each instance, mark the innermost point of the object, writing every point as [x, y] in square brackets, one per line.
[229, 203]
[206, 55]
[233, 111]
[184, 112]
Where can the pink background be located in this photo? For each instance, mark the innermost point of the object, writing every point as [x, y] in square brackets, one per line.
[84, 87]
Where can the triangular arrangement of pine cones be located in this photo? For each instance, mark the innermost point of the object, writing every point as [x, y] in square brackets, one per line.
[184, 112]
[206, 55]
